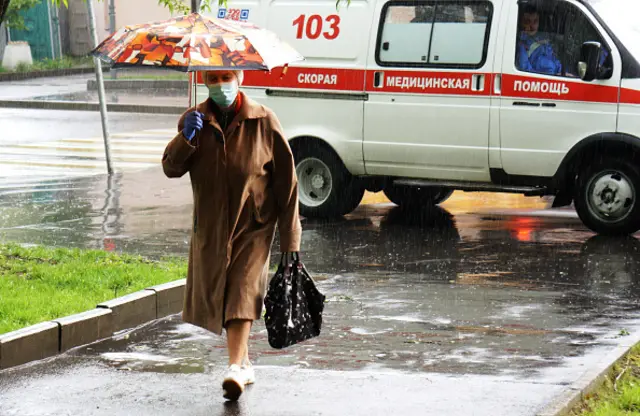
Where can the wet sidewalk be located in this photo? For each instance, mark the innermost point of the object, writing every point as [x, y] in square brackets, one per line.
[152, 98]
[73, 93]
[470, 309]
[173, 369]
[27, 89]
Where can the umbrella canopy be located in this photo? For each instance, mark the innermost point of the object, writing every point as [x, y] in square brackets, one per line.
[196, 43]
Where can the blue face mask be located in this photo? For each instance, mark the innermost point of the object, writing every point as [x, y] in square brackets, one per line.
[224, 94]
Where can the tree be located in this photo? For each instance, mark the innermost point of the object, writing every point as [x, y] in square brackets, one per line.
[205, 5]
[180, 7]
[11, 12]
[173, 5]
[4, 6]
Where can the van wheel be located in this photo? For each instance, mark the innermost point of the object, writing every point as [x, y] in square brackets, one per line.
[325, 186]
[409, 196]
[606, 197]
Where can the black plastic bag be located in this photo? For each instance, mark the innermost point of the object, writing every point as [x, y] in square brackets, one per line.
[293, 305]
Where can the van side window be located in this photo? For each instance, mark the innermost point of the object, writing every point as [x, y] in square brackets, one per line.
[434, 34]
[549, 41]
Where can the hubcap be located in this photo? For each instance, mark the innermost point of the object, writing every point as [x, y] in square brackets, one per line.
[314, 181]
[317, 182]
[611, 195]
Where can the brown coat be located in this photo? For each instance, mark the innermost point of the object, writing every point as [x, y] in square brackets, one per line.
[244, 183]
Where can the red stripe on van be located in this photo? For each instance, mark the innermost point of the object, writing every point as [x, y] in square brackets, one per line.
[333, 79]
[422, 82]
[441, 83]
[557, 89]
[628, 96]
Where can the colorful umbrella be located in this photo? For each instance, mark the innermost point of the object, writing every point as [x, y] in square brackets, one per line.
[196, 43]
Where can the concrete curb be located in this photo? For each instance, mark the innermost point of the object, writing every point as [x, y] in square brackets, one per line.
[47, 339]
[169, 297]
[132, 310]
[85, 106]
[21, 76]
[589, 382]
[32, 343]
[140, 84]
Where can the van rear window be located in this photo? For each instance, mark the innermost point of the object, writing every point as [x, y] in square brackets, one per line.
[433, 34]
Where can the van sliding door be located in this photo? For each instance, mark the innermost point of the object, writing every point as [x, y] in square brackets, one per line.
[429, 85]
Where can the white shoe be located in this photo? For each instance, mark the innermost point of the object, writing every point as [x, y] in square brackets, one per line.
[235, 380]
[249, 373]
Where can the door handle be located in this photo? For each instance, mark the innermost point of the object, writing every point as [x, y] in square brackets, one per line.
[530, 104]
[477, 82]
[497, 84]
[525, 104]
[378, 79]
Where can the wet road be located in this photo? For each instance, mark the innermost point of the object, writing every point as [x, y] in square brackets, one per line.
[20, 126]
[29, 88]
[487, 306]
[40, 144]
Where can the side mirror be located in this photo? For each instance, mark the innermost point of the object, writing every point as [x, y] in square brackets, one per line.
[589, 61]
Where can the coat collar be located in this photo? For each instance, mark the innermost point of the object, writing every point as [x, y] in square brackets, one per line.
[249, 109]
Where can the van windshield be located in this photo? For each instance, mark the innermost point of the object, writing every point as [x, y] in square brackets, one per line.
[622, 17]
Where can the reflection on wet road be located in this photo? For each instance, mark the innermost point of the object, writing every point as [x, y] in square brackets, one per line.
[54, 144]
[526, 297]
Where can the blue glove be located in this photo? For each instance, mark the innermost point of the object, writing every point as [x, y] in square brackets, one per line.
[193, 123]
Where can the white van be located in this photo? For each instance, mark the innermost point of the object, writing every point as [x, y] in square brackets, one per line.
[421, 98]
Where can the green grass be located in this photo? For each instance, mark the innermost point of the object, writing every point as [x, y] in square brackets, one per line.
[620, 394]
[38, 284]
[47, 64]
[62, 63]
[167, 77]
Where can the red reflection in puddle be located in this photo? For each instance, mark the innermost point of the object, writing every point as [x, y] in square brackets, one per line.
[523, 228]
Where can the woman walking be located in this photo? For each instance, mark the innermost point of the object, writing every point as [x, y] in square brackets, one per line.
[244, 184]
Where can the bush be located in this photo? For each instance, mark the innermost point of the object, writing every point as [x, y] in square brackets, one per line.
[23, 67]
[66, 62]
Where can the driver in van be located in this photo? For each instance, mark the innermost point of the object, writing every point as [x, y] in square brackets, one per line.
[534, 50]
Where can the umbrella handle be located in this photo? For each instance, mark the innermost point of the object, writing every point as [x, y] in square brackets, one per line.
[284, 71]
[193, 84]
[189, 89]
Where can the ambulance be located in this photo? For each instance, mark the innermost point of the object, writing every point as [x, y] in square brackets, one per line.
[418, 99]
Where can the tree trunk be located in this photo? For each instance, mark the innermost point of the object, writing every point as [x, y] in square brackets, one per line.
[4, 6]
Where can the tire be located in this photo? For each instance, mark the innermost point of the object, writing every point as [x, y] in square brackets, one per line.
[607, 197]
[409, 196]
[326, 189]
